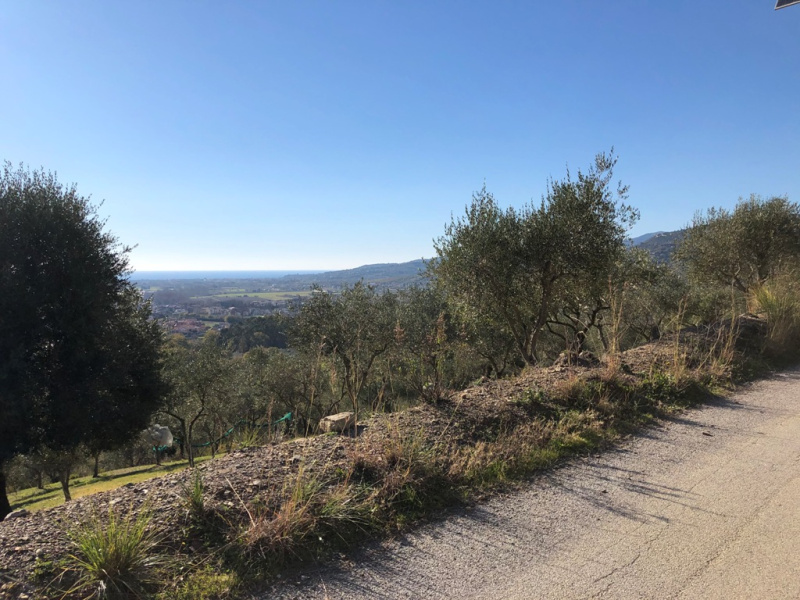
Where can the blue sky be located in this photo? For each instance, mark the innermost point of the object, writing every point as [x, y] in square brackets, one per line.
[331, 134]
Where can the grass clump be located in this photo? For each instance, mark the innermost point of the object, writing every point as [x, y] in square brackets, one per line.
[194, 495]
[312, 518]
[114, 557]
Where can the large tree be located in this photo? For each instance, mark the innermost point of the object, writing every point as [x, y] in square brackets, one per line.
[744, 247]
[520, 267]
[79, 355]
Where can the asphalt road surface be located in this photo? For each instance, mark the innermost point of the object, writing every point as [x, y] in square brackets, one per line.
[706, 505]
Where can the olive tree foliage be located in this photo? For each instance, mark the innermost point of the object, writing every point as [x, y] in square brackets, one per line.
[745, 247]
[270, 382]
[646, 299]
[200, 380]
[351, 329]
[79, 354]
[491, 341]
[258, 332]
[517, 267]
[581, 309]
[425, 335]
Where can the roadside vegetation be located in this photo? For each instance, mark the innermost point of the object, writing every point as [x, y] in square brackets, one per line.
[540, 334]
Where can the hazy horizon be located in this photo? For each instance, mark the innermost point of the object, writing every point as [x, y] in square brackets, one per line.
[141, 275]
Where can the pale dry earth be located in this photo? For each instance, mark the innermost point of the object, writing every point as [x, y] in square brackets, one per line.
[705, 505]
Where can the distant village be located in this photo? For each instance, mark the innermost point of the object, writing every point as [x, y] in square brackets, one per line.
[193, 306]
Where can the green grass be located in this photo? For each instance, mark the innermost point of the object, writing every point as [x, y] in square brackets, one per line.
[35, 499]
[205, 583]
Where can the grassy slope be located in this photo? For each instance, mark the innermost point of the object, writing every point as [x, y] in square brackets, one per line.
[35, 499]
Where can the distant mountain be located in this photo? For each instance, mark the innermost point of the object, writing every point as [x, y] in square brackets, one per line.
[643, 238]
[382, 276]
[661, 244]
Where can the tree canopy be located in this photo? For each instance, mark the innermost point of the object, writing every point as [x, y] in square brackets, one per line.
[518, 267]
[744, 247]
[352, 328]
[79, 355]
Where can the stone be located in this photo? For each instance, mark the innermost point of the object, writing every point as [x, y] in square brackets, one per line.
[14, 514]
[338, 423]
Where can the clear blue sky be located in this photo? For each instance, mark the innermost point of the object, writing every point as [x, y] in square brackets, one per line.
[331, 134]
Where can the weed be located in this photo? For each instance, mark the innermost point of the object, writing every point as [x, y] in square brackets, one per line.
[194, 495]
[531, 398]
[206, 583]
[44, 569]
[116, 557]
[271, 538]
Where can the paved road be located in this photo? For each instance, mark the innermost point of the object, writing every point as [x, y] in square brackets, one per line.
[706, 506]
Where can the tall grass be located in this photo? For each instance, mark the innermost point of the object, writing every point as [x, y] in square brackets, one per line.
[114, 557]
[779, 301]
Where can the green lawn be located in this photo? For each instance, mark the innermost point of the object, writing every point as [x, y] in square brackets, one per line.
[36, 499]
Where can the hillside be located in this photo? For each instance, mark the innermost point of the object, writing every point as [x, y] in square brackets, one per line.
[661, 245]
[245, 520]
[383, 276]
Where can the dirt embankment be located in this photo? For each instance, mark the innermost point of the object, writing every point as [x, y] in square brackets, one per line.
[467, 441]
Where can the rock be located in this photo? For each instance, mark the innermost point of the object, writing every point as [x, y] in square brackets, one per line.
[14, 514]
[340, 422]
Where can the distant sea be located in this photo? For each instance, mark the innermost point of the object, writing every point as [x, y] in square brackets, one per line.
[153, 275]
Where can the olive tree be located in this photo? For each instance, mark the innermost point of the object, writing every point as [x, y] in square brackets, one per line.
[516, 266]
[352, 328]
[745, 247]
[199, 376]
[79, 354]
